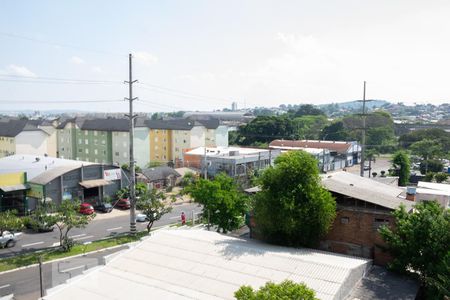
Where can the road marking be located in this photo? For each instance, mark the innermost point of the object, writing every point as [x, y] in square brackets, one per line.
[4, 286]
[72, 269]
[78, 235]
[55, 244]
[84, 237]
[115, 228]
[32, 244]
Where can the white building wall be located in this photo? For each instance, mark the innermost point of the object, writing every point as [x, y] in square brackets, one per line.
[221, 135]
[51, 140]
[198, 135]
[32, 142]
[142, 146]
[120, 147]
[181, 139]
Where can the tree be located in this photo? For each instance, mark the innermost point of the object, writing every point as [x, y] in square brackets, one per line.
[335, 132]
[284, 290]
[222, 202]
[420, 243]
[440, 136]
[293, 208]
[308, 110]
[431, 165]
[9, 221]
[427, 149]
[440, 177]
[400, 161]
[152, 205]
[68, 217]
[43, 218]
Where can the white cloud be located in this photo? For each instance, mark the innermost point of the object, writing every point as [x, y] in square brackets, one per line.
[18, 70]
[76, 60]
[145, 58]
[97, 69]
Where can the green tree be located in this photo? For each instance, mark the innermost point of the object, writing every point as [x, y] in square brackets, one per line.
[440, 136]
[431, 166]
[335, 132]
[67, 218]
[307, 110]
[222, 201]
[293, 208]
[420, 244]
[43, 218]
[400, 161]
[440, 177]
[152, 205]
[285, 290]
[427, 149]
[9, 221]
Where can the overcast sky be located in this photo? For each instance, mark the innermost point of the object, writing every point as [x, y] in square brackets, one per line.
[203, 55]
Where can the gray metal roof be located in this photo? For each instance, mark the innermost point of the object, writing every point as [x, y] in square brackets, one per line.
[200, 264]
[12, 127]
[159, 173]
[176, 124]
[365, 189]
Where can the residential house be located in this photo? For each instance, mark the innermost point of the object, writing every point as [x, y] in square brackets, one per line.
[342, 154]
[216, 133]
[363, 205]
[22, 136]
[322, 156]
[159, 177]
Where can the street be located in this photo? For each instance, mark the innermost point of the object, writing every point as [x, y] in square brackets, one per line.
[102, 226]
[25, 283]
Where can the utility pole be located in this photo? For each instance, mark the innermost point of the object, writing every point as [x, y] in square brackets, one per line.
[131, 133]
[363, 138]
[205, 163]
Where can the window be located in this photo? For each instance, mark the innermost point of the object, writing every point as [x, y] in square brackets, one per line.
[125, 155]
[156, 139]
[184, 141]
[95, 142]
[345, 220]
[116, 153]
[124, 144]
[96, 160]
[62, 140]
[95, 151]
[177, 149]
[80, 141]
[124, 134]
[86, 141]
[87, 151]
[95, 132]
[80, 150]
[103, 142]
[378, 222]
[62, 149]
[85, 132]
[104, 152]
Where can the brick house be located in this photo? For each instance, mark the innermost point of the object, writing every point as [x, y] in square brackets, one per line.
[363, 205]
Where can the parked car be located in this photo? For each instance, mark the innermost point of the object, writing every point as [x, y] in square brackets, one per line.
[123, 204]
[141, 218]
[86, 209]
[8, 239]
[104, 207]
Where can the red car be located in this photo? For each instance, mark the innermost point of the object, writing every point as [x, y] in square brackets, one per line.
[86, 209]
[123, 204]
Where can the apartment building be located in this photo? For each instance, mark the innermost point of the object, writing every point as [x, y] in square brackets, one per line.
[22, 136]
[102, 140]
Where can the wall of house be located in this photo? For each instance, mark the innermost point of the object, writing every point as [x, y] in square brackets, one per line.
[7, 146]
[52, 144]
[32, 142]
[181, 139]
[198, 135]
[94, 146]
[66, 142]
[355, 232]
[221, 136]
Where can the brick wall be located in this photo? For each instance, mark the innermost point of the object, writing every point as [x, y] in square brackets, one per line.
[354, 232]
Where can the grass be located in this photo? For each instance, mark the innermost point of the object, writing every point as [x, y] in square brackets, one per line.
[51, 254]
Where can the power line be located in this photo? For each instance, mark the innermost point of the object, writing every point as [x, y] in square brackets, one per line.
[57, 101]
[39, 79]
[22, 37]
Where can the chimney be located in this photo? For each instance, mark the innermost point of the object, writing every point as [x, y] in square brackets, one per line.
[411, 194]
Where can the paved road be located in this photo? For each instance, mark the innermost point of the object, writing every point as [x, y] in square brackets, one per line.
[24, 284]
[102, 226]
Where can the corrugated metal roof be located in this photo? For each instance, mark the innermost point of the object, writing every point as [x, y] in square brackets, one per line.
[87, 184]
[200, 264]
[17, 187]
[340, 147]
[365, 189]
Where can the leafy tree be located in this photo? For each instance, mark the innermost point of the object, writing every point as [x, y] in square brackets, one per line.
[427, 149]
[440, 177]
[9, 221]
[428, 177]
[307, 110]
[431, 165]
[152, 205]
[400, 160]
[67, 218]
[188, 179]
[221, 200]
[335, 132]
[43, 218]
[285, 290]
[293, 208]
[420, 244]
[140, 188]
[439, 136]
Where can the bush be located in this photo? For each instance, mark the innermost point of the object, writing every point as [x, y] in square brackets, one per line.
[284, 290]
[440, 177]
[428, 177]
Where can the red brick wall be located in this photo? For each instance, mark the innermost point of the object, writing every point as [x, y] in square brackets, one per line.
[355, 233]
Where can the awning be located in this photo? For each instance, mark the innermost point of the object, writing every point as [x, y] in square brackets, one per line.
[13, 188]
[87, 184]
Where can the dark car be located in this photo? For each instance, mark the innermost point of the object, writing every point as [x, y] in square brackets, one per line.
[86, 209]
[104, 207]
[123, 204]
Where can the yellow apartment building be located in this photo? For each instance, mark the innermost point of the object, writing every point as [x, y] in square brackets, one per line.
[160, 145]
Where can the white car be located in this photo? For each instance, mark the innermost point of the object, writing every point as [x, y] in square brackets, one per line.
[141, 218]
[8, 239]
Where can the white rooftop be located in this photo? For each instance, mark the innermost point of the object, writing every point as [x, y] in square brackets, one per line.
[200, 264]
[34, 165]
[443, 187]
[306, 149]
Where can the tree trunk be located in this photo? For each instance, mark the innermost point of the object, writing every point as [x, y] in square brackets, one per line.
[149, 226]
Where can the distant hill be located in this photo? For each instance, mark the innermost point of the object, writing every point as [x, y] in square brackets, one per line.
[355, 104]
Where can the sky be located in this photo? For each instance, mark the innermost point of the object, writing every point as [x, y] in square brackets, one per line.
[206, 54]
